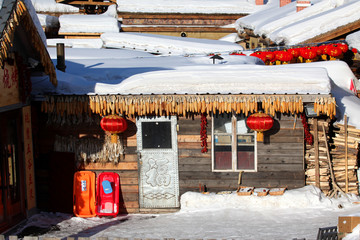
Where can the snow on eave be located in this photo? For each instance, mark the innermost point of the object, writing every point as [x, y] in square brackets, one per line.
[226, 80]
[329, 20]
[291, 16]
[188, 6]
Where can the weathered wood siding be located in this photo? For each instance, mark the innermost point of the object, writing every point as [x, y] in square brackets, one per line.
[127, 168]
[280, 158]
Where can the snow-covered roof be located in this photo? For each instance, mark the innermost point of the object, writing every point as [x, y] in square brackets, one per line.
[286, 25]
[353, 40]
[189, 6]
[53, 6]
[22, 12]
[79, 23]
[125, 72]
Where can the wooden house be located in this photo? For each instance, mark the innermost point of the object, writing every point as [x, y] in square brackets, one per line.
[188, 140]
[267, 32]
[22, 54]
[195, 25]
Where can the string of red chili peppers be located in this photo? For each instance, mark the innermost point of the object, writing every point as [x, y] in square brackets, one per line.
[203, 133]
[308, 137]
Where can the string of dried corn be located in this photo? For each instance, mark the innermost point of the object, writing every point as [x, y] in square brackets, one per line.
[182, 104]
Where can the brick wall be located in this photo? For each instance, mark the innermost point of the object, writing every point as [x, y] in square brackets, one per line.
[284, 2]
[302, 4]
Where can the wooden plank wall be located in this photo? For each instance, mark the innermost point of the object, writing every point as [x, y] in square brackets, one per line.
[127, 168]
[280, 158]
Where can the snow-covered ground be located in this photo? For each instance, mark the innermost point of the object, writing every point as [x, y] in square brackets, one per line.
[299, 213]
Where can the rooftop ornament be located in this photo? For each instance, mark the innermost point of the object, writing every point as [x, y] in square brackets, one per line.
[216, 56]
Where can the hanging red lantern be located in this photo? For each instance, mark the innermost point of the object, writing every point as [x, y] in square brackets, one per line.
[295, 52]
[283, 56]
[260, 122]
[344, 47]
[259, 55]
[309, 53]
[334, 51]
[269, 56]
[113, 124]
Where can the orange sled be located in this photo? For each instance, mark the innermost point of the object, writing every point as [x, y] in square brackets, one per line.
[84, 194]
[107, 194]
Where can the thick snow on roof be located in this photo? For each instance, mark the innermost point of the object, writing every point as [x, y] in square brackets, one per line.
[185, 75]
[35, 20]
[341, 77]
[105, 22]
[152, 43]
[167, 45]
[286, 25]
[118, 71]
[354, 40]
[52, 6]
[189, 6]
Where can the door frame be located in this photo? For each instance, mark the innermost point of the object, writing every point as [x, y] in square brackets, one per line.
[173, 151]
[14, 212]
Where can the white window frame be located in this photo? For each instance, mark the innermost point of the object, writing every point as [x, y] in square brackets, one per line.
[234, 135]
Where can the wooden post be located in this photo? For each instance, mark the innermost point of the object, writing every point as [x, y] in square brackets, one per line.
[60, 51]
[316, 146]
[346, 155]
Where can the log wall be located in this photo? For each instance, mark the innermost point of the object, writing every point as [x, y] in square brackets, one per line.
[280, 158]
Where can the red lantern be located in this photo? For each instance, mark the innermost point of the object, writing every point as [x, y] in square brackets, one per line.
[259, 55]
[295, 52]
[344, 47]
[309, 53]
[283, 56]
[333, 51]
[113, 124]
[260, 122]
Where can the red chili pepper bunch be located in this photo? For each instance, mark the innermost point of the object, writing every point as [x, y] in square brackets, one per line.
[308, 137]
[203, 133]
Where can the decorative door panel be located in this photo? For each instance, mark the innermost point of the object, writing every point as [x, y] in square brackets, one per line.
[158, 162]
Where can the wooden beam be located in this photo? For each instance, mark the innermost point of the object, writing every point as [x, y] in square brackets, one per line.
[346, 157]
[316, 147]
[83, 3]
[128, 15]
[168, 28]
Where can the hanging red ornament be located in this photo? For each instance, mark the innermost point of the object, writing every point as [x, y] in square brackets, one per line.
[203, 133]
[260, 122]
[308, 137]
[113, 124]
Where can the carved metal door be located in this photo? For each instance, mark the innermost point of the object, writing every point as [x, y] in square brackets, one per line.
[158, 162]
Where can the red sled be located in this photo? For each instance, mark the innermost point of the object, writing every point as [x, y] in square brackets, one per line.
[107, 196]
[84, 194]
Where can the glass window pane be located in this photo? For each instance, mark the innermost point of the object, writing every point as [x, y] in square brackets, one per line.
[241, 127]
[245, 139]
[222, 152]
[245, 152]
[222, 124]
